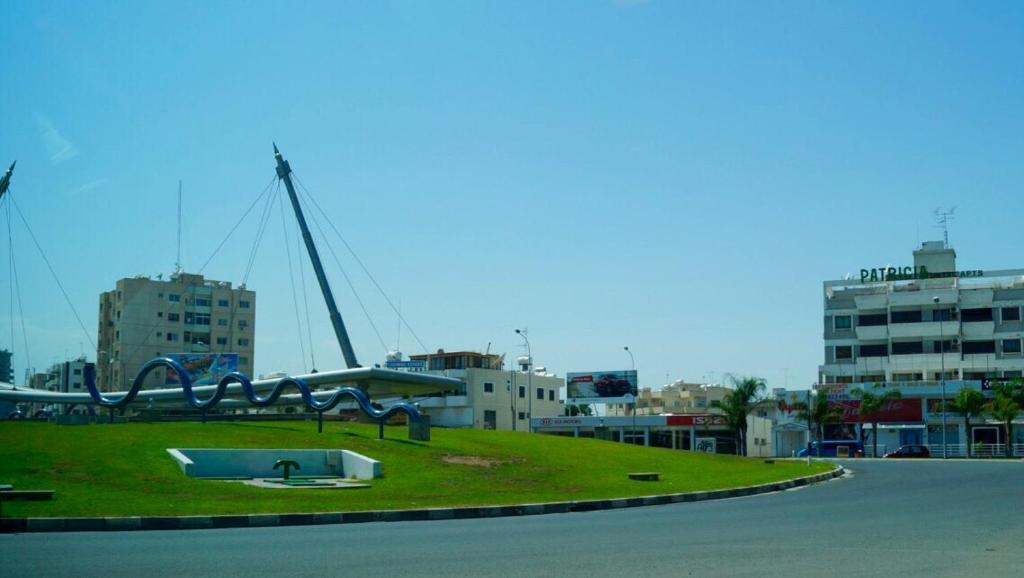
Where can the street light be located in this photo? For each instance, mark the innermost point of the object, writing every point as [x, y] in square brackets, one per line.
[633, 362]
[942, 376]
[529, 380]
[810, 436]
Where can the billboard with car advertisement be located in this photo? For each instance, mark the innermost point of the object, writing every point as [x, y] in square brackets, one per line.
[601, 386]
[203, 368]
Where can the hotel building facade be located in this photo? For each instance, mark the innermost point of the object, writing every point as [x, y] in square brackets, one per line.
[928, 330]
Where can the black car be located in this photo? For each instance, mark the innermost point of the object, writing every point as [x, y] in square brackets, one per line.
[911, 451]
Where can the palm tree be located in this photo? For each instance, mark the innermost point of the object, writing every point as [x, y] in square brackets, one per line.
[1004, 409]
[817, 415]
[968, 403]
[738, 403]
[871, 402]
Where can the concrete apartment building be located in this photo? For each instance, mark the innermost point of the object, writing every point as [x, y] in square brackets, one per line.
[492, 397]
[143, 318]
[909, 324]
[677, 398]
[927, 330]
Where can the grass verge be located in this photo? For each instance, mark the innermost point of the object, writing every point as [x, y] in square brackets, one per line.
[124, 470]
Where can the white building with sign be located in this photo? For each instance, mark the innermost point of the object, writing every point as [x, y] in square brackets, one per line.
[925, 322]
[927, 329]
[492, 397]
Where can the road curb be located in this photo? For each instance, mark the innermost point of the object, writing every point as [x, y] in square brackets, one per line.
[128, 523]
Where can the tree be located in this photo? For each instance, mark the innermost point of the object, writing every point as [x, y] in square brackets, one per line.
[739, 402]
[1004, 408]
[581, 409]
[968, 403]
[817, 414]
[871, 402]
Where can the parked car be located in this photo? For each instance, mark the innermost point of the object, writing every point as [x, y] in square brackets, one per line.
[911, 451]
[611, 385]
[830, 448]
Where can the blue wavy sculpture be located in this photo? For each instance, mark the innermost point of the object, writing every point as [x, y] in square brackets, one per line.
[250, 393]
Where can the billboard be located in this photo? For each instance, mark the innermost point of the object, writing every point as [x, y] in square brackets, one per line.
[601, 387]
[203, 368]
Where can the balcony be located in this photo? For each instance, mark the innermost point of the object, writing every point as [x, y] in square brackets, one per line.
[925, 329]
[925, 362]
[978, 329]
[875, 301]
[872, 332]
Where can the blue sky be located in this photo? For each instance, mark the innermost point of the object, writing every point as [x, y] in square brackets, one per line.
[678, 177]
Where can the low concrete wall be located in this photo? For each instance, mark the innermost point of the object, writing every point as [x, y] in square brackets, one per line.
[248, 463]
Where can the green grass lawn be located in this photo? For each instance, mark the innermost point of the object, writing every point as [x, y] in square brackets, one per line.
[124, 470]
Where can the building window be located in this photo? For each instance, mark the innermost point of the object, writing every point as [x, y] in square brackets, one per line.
[159, 313]
[944, 346]
[222, 341]
[1012, 374]
[201, 301]
[540, 393]
[243, 360]
[243, 304]
[976, 347]
[907, 347]
[488, 387]
[1011, 314]
[190, 318]
[77, 371]
[979, 314]
[906, 316]
[943, 315]
[222, 303]
[243, 343]
[551, 395]
[1011, 346]
[172, 337]
[174, 297]
[872, 319]
[844, 352]
[222, 322]
[202, 318]
[522, 391]
[879, 350]
[242, 323]
[173, 317]
[842, 322]
[522, 415]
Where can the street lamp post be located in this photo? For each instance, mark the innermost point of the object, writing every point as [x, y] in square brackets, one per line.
[529, 381]
[942, 376]
[810, 424]
[632, 361]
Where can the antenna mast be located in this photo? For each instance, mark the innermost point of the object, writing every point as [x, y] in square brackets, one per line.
[177, 261]
[284, 172]
[942, 219]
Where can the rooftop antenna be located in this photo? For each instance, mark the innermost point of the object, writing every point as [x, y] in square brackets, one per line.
[942, 219]
[177, 261]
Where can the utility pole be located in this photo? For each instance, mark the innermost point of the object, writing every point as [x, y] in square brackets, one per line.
[284, 172]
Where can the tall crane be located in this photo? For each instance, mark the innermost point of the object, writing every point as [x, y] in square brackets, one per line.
[284, 172]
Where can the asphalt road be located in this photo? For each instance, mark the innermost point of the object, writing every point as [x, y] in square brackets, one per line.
[910, 518]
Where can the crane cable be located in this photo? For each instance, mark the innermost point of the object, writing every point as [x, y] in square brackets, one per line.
[344, 274]
[56, 279]
[364, 266]
[291, 279]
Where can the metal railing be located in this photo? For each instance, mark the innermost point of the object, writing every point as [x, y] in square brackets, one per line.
[979, 450]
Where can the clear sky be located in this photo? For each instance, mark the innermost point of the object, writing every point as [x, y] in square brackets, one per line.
[678, 177]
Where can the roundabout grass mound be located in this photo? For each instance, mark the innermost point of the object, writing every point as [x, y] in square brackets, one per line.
[124, 469]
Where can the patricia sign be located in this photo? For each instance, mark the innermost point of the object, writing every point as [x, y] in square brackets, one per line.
[910, 273]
